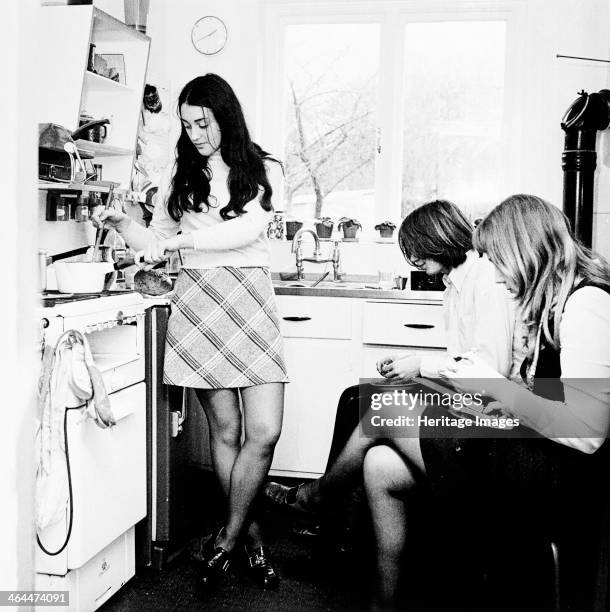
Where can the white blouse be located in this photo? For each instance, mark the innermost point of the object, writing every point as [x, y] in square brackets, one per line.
[236, 242]
[582, 420]
[480, 316]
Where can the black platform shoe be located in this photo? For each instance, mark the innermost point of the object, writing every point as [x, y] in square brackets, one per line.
[260, 568]
[214, 567]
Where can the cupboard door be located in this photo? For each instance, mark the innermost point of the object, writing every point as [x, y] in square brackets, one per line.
[319, 370]
[403, 324]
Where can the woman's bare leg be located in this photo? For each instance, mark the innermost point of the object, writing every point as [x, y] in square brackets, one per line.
[221, 407]
[387, 480]
[263, 411]
[349, 463]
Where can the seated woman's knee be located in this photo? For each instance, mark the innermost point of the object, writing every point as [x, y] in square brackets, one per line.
[385, 469]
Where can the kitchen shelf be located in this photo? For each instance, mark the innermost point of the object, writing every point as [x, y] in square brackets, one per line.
[49, 186]
[96, 82]
[71, 33]
[101, 149]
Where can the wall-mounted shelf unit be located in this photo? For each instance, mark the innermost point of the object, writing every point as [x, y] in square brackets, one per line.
[70, 89]
[48, 186]
[102, 149]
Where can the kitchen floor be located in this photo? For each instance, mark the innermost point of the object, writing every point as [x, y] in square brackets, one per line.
[313, 576]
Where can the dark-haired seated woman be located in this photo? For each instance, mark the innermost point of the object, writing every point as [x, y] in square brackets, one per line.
[549, 476]
[480, 316]
[223, 336]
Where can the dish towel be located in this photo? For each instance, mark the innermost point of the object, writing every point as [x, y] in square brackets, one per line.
[68, 373]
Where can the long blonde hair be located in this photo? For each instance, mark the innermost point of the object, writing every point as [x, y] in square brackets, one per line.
[531, 244]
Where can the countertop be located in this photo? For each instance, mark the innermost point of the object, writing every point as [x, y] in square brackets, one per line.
[351, 287]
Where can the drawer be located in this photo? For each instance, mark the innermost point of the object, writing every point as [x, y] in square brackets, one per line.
[403, 324]
[315, 317]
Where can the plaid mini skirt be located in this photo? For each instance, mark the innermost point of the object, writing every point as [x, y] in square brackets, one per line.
[223, 331]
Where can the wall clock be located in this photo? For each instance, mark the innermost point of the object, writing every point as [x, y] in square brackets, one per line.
[209, 35]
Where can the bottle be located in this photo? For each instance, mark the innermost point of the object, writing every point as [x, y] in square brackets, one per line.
[81, 212]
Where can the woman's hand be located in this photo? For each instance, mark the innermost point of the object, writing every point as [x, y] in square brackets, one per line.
[159, 250]
[111, 218]
[466, 375]
[403, 369]
[383, 365]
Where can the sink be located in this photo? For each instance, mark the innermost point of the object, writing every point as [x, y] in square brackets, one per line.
[322, 285]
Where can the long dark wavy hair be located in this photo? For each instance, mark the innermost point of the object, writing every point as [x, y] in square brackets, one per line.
[190, 188]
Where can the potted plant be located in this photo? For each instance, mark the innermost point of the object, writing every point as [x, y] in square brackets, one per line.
[324, 227]
[292, 227]
[385, 229]
[350, 227]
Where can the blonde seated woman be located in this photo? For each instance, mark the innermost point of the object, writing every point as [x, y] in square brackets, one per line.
[549, 476]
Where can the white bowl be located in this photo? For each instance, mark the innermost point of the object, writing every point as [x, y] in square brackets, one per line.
[82, 277]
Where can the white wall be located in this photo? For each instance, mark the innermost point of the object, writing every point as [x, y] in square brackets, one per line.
[174, 61]
[18, 28]
[544, 88]
[549, 86]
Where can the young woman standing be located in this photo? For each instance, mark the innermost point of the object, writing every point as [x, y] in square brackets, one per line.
[223, 337]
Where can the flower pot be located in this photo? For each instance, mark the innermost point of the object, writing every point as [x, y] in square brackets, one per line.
[386, 232]
[292, 227]
[349, 233]
[323, 230]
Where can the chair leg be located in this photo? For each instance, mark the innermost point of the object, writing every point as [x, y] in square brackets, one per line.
[557, 598]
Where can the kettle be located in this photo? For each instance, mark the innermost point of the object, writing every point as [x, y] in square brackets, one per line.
[91, 129]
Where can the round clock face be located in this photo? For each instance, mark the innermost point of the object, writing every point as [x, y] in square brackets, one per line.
[209, 35]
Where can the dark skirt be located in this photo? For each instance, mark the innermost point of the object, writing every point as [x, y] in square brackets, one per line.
[529, 480]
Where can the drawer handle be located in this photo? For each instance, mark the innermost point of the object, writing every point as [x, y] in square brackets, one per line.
[296, 319]
[419, 325]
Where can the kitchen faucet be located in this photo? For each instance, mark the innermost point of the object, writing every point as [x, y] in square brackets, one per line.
[317, 254]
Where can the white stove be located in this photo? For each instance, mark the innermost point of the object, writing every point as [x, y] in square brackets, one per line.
[107, 466]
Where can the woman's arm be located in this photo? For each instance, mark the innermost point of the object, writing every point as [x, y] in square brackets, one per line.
[494, 324]
[137, 236]
[582, 420]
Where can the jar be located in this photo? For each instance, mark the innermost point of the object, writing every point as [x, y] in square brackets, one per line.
[62, 209]
[81, 212]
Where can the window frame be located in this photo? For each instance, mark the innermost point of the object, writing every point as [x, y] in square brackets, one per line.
[392, 16]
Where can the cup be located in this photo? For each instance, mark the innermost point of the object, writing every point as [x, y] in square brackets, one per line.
[400, 282]
[385, 279]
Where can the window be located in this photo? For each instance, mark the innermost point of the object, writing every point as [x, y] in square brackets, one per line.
[381, 112]
[453, 99]
[330, 120]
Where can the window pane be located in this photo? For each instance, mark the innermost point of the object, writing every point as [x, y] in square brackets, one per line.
[330, 104]
[454, 88]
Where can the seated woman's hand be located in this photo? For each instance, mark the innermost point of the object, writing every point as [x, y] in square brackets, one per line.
[384, 365]
[403, 369]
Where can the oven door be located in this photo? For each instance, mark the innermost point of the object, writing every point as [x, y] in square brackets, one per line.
[108, 478]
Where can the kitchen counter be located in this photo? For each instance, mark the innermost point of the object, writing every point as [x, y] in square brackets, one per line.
[351, 287]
